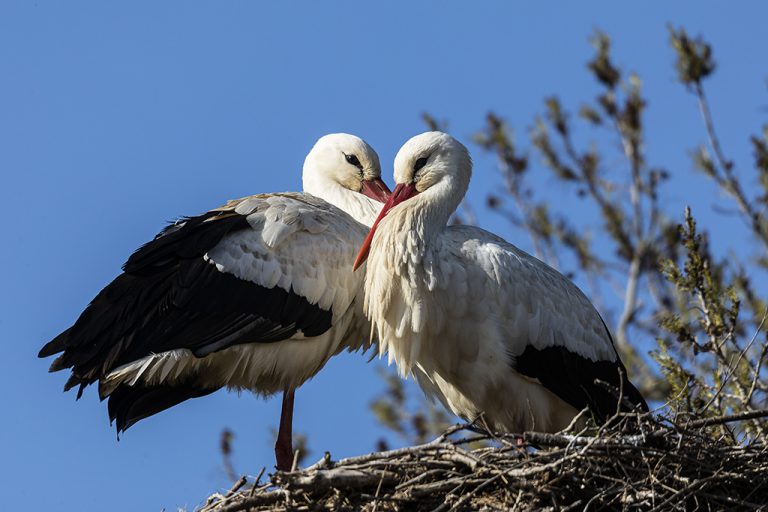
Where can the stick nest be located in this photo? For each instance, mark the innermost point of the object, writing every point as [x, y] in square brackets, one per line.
[634, 462]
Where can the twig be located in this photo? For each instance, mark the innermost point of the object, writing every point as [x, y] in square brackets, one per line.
[728, 182]
[240, 482]
[706, 422]
[256, 482]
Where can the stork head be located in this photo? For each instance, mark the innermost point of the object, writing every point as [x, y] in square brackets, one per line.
[433, 160]
[345, 160]
[433, 165]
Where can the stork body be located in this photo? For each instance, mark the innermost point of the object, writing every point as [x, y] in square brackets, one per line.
[256, 295]
[483, 326]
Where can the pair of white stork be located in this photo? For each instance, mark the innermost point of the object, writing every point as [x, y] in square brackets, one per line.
[259, 293]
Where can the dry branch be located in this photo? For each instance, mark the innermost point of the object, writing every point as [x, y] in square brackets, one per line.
[637, 462]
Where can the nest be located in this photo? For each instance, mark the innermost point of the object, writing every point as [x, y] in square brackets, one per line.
[634, 462]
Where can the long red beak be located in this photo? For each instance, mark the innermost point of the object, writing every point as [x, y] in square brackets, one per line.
[402, 192]
[376, 189]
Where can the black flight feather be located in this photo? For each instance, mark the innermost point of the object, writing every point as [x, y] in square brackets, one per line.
[572, 378]
[169, 297]
[130, 404]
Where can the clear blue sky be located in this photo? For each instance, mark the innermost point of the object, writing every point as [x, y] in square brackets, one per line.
[115, 118]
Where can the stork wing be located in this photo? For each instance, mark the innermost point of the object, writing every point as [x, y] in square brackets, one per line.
[260, 269]
[552, 331]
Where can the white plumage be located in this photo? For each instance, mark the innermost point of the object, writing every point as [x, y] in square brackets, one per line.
[483, 326]
[297, 243]
[255, 295]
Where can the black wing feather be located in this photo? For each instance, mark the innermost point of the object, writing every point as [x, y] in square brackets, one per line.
[572, 377]
[169, 298]
[130, 404]
[185, 238]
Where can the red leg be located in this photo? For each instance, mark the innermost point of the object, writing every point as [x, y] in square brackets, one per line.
[284, 443]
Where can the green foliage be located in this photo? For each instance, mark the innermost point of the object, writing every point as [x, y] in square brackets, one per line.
[715, 369]
[694, 57]
[601, 66]
[760, 154]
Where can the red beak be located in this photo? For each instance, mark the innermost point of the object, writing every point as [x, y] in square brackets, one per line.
[402, 192]
[376, 189]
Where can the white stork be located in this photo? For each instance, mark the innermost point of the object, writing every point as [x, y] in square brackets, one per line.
[483, 326]
[255, 295]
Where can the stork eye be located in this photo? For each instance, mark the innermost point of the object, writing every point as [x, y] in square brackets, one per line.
[352, 159]
[421, 162]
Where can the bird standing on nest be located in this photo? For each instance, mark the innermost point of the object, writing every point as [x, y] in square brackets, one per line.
[483, 326]
[254, 295]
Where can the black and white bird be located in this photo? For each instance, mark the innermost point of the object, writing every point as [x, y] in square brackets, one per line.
[483, 326]
[256, 295]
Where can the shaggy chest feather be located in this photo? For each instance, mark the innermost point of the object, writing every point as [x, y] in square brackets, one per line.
[400, 277]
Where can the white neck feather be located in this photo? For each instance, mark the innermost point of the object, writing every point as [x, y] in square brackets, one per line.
[410, 230]
[404, 264]
[361, 208]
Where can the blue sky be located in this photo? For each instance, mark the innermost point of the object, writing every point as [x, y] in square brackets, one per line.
[117, 118]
